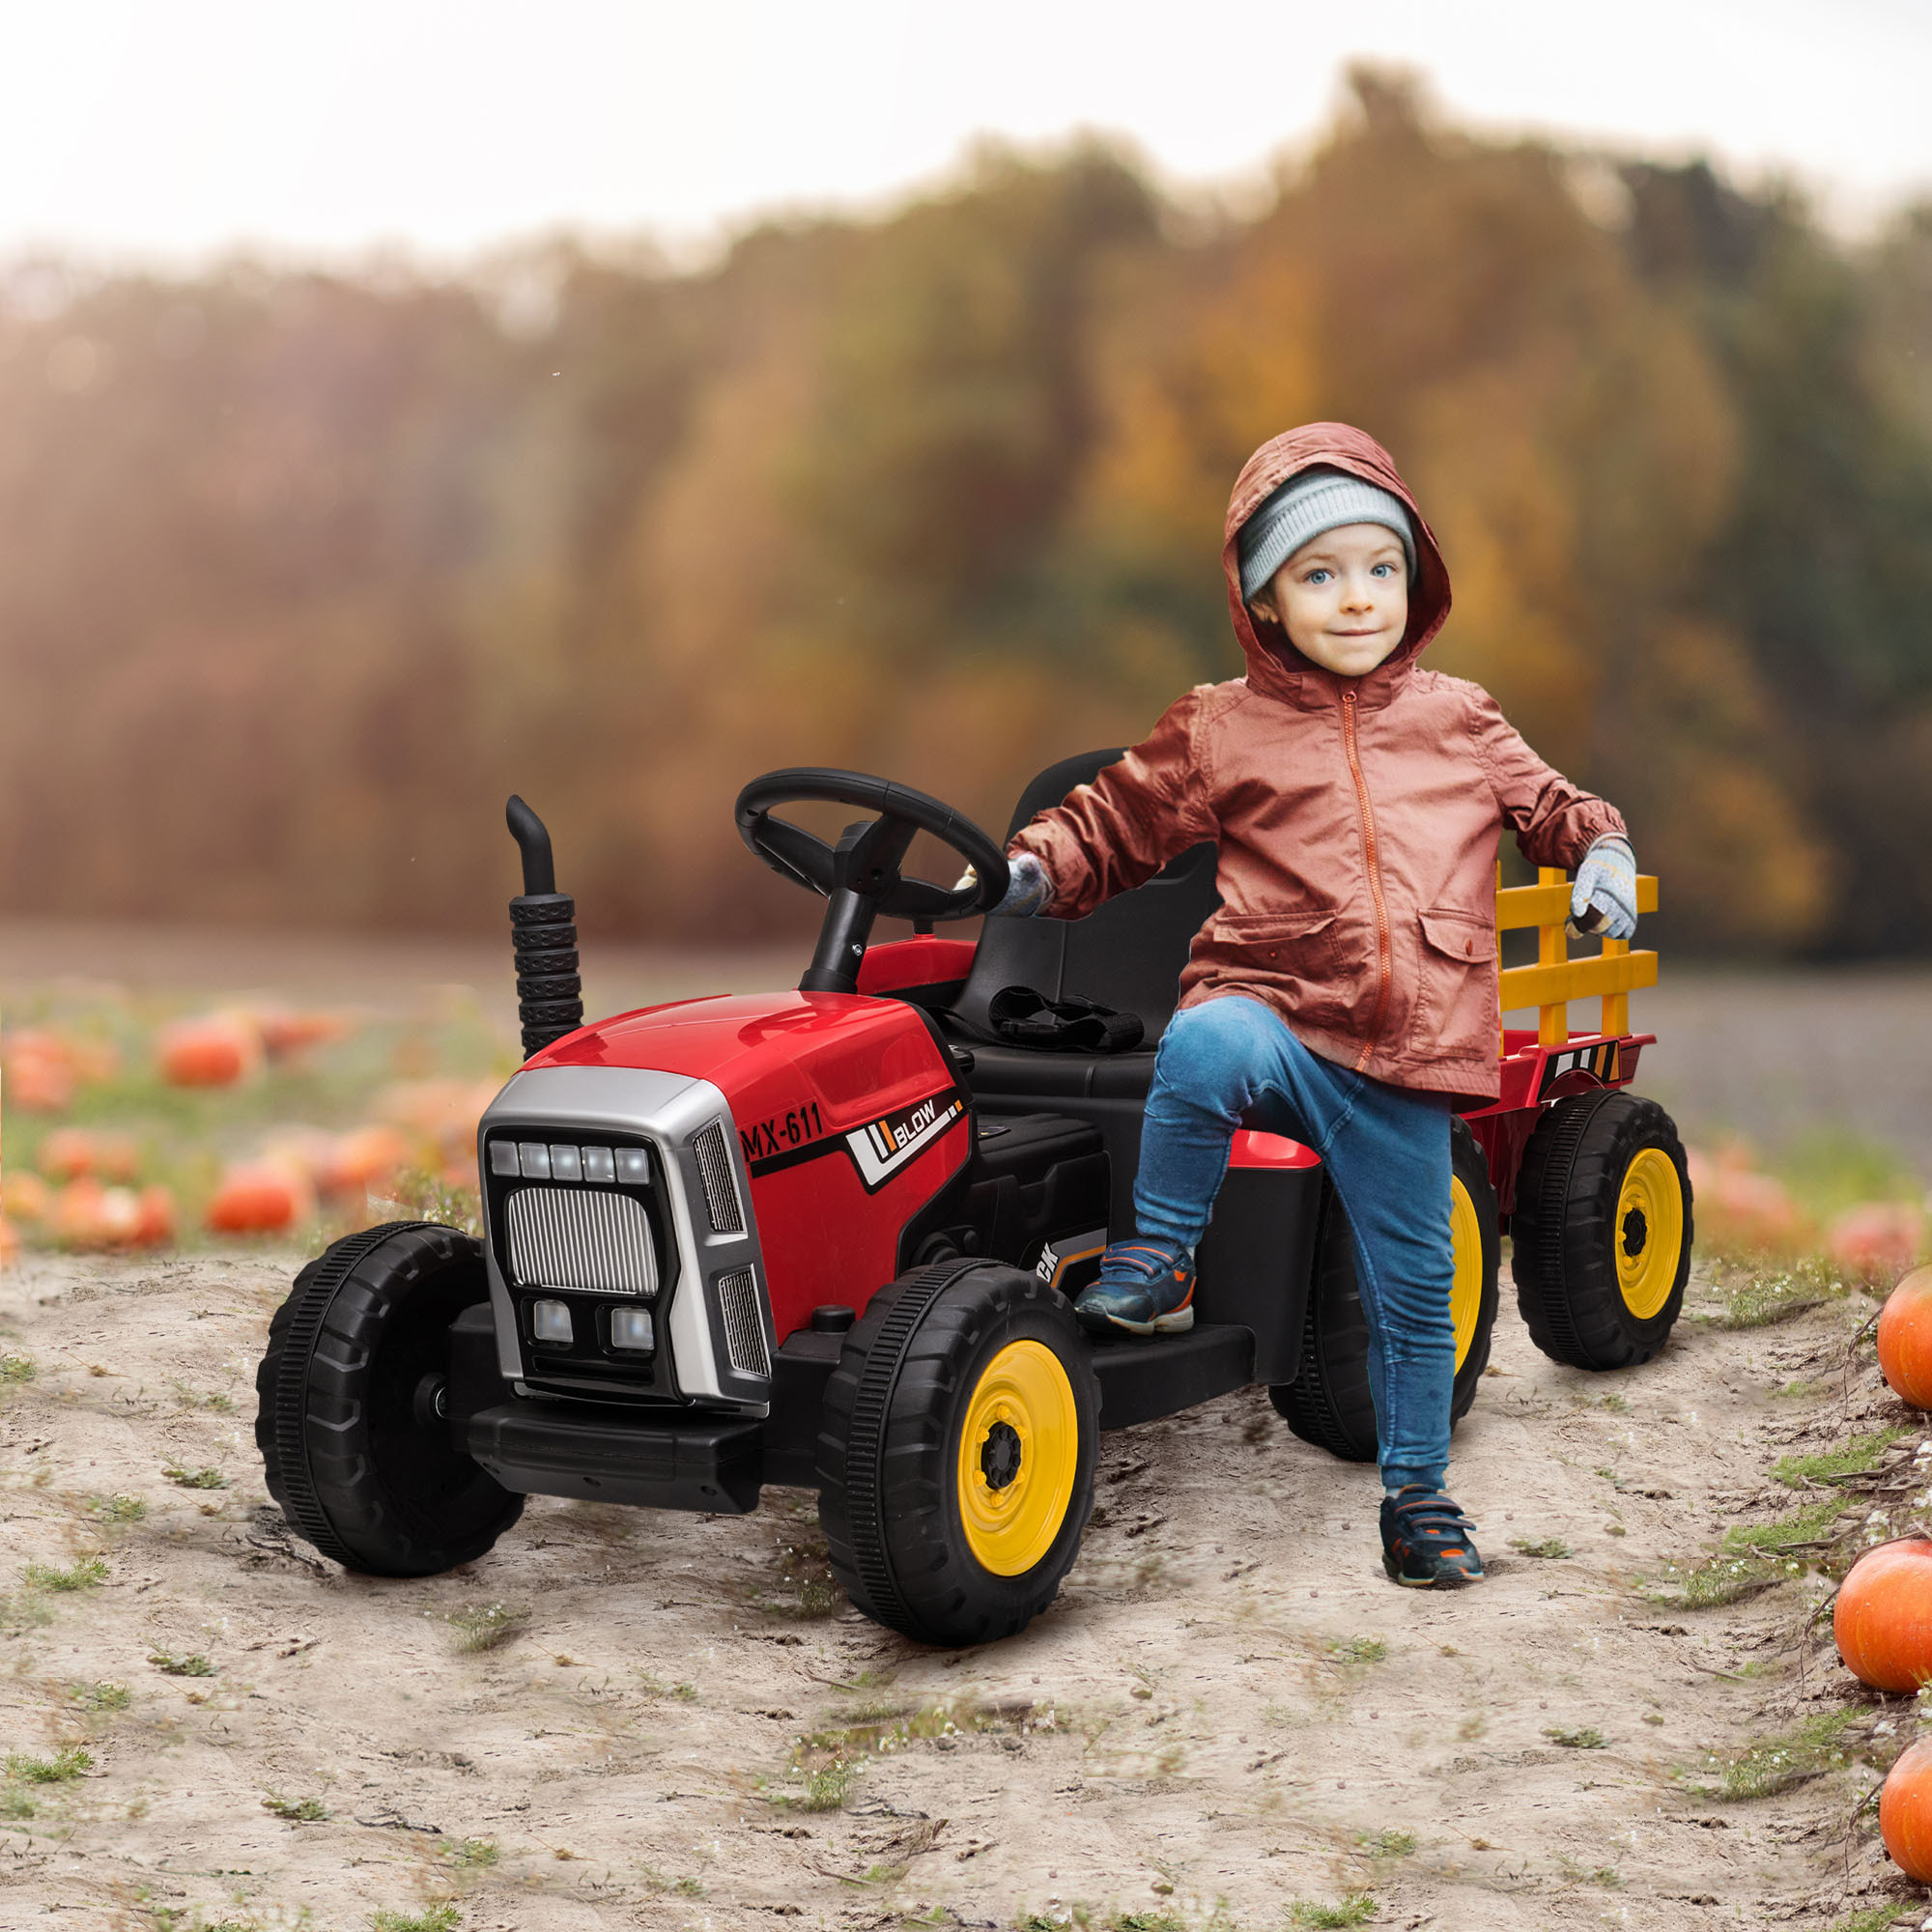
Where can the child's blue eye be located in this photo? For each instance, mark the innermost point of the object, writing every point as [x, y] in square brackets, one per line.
[1317, 575]
[1384, 570]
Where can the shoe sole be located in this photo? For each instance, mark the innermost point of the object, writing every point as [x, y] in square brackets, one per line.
[1452, 1578]
[1179, 1323]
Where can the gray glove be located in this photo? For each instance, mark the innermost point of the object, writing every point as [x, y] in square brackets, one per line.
[1028, 891]
[1603, 898]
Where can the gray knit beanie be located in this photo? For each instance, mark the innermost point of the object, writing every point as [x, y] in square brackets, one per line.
[1309, 502]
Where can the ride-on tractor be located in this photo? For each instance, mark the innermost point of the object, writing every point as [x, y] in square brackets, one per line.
[828, 1237]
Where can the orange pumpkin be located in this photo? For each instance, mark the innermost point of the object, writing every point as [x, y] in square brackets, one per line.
[68, 1152]
[214, 1051]
[1882, 1618]
[258, 1198]
[1905, 1812]
[1905, 1337]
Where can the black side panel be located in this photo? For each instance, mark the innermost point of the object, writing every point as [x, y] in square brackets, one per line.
[1255, 1262]
[1119, 1121]
[800, 1371]
[476, 1379]
[713, 1464]
[1143, 1379]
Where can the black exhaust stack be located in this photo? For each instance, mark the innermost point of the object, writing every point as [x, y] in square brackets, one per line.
[542, 928]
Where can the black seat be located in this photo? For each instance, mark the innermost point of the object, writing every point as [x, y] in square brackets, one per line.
[1126, 955]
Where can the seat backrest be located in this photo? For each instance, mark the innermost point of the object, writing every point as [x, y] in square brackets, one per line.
[1127, 954]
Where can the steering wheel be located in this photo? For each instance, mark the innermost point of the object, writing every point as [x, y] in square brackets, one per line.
[865, 861]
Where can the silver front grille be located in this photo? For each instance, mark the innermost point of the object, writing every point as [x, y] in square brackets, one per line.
[720, 1192]
[570, 1238]
[744, 1332]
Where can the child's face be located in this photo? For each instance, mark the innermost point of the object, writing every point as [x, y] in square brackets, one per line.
[1343, 598]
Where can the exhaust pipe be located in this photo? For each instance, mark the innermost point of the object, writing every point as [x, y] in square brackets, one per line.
[543, 929]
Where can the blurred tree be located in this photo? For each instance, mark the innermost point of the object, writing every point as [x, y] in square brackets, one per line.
[299, 574]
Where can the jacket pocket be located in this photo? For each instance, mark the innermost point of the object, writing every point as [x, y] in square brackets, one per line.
[1456, 1002]
[1298, 954]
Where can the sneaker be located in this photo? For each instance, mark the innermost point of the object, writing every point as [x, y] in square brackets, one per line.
[1424, 1541]
[1145, 1287]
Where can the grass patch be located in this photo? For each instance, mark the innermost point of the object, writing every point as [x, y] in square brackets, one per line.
[1767, 1765]
[489, 1627]
[1718, 1580]
[810, 1589]
[1873, 1918]
[827, 1787]
[63, 1767]
[471, 1854]
[1357, 1908]
[1387, 1844]
[84, 1574]
[117, 1509]
[1358, 1650]
[16, 1370]
[1587, 1738]
[1549, 1547]
[1148, 1922]
[653, 1688]
[187, 1664]
[442, 1917]
[298, 1811]
[423, 1196]
[194, 1479]
[1765, 1295]
[102, 1696]
[1861, 1454]
[1807, 1525]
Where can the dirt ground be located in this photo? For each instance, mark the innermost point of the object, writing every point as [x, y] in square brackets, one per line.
[1228, 1714]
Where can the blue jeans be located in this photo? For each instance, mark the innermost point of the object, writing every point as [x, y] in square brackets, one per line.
[1229, 1063]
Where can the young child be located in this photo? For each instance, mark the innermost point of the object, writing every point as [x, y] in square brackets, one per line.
[1358, 802]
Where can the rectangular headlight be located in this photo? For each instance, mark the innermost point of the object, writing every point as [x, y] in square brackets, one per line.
[631, 1328]
[550, 1321]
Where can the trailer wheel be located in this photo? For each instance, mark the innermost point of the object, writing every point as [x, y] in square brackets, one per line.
[1602, 1230]
[1328, 1403]
[955, 1452]
[349, 1418]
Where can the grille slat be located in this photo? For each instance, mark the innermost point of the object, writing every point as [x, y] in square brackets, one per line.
[720, 1190]
[744, 1332]
[569, 1238]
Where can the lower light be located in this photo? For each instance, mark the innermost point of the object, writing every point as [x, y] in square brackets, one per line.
[630, 1327]
[550, 1321]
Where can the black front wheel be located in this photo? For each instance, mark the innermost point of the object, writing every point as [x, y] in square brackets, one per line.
[1328, 1403]
[350, 1397]
[955, 1453]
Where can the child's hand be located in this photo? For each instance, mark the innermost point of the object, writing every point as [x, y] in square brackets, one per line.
[1029, 889]
[1603, 898]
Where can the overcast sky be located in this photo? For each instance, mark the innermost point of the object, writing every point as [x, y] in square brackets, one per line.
[168, 130]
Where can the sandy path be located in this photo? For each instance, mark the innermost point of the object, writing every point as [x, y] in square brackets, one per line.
[1189, 1717]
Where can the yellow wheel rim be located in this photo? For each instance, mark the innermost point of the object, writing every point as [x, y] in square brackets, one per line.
[1465, 1288]
[1649, 1232]
[1018, 1450]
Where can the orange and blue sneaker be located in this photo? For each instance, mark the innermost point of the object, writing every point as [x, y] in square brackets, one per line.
[1145, 1287]
[1425, 1539]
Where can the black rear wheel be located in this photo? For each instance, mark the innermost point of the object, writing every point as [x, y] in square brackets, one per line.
[350, 1397]
[955, 1453]
[1600, 1236]
[1329, 1402]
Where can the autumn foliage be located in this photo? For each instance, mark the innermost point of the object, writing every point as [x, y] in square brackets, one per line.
[300, 575]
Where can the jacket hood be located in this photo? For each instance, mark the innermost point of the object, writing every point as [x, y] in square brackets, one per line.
[1274, 665]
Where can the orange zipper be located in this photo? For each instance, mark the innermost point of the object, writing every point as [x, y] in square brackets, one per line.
[1384, 952]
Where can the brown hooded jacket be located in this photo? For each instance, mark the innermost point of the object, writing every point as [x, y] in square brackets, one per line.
[1357, 821]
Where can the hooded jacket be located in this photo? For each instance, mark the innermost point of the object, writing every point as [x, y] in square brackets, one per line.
[1357, 821]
